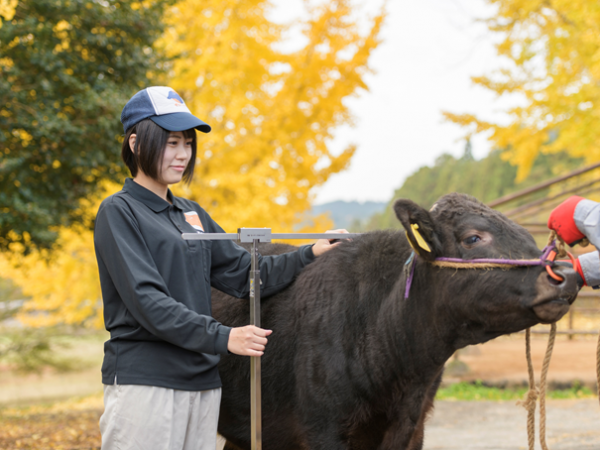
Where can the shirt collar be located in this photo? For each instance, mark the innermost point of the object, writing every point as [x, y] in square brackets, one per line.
[177, 202]
[149, 198]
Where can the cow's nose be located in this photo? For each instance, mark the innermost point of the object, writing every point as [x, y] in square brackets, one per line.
[555, 296]
[565, 279]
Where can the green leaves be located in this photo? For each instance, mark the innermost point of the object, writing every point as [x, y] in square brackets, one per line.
[486, 179]
[67, 67]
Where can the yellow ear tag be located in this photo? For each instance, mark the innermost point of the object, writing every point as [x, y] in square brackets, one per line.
[419, 238]
[409, 241]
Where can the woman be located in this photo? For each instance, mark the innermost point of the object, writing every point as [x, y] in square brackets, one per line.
[162, 387]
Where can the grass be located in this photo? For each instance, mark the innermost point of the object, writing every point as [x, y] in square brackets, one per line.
[81, 376]
[478, 391]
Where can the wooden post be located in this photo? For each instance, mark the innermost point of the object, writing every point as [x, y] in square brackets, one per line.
[571, 313]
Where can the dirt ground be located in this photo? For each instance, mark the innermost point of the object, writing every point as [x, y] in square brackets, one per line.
[570, 425]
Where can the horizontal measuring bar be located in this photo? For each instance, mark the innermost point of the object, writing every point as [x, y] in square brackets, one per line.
[314, 235]
[210, 236]
[235, 236]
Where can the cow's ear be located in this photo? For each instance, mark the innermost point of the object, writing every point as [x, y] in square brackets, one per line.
[420, 229]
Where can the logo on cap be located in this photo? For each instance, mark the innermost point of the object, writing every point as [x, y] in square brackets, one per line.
[175, 96]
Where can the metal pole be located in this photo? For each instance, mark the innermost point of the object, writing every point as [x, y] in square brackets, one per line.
[255, 376]
[539, 187]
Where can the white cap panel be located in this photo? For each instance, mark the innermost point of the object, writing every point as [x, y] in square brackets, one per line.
[166, 101]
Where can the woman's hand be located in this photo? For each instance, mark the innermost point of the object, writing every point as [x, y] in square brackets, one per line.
[324, 245]
[248, 340]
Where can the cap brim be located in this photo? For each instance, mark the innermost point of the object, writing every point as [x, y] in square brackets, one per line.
[180, 121]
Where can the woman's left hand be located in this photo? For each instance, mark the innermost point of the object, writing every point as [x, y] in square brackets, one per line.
[324, 245]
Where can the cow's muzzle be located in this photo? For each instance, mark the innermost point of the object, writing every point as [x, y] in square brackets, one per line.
[555, 296]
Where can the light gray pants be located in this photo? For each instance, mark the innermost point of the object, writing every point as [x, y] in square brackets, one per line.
[149, 417]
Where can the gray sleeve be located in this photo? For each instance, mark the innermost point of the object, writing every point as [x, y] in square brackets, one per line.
[140, 286]
[590, 265]
[587, 219]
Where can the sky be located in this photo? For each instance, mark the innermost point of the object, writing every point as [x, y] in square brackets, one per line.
[430, 51]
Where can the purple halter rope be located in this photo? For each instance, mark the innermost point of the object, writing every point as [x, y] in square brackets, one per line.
[509, 262]
[543, 261]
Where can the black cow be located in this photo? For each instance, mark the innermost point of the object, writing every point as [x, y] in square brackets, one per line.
[351, 364]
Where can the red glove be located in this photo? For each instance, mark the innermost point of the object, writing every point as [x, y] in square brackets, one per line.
[562, 221]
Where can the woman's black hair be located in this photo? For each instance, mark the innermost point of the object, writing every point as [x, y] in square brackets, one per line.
[150, 143]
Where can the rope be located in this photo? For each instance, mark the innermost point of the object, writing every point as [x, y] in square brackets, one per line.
[560, 246]
[561, 253]
[489, 263]
[483, 264]
[545, 366]
[529, 403]
[598, 367]
[532, 394]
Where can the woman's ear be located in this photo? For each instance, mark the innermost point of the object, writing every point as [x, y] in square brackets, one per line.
[420, 229]
[132, 137]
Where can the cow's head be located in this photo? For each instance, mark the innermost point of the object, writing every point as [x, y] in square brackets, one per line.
[483, 303]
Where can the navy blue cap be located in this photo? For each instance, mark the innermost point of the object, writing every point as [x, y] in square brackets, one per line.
[164, 107]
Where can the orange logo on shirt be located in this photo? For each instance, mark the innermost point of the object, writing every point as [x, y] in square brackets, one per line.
[192, 218]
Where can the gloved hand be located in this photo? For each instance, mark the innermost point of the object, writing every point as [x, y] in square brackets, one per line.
[562, 221]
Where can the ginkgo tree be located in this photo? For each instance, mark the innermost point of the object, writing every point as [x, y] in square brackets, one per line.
[273, 114]
[552, 50]
[7, 10]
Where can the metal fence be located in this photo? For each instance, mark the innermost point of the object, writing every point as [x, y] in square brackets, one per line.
[531, 207]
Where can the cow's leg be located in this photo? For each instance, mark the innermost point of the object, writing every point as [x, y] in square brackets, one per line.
[408, 430]
[405, 423]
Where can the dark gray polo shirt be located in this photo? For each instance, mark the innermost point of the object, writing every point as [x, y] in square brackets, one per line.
[156, 288]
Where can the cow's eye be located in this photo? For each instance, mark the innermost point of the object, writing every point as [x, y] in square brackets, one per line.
[471, 240]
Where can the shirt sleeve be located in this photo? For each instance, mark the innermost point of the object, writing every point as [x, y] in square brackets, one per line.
[230, 267]
[590, 265]
[587, 219]
[129, 263]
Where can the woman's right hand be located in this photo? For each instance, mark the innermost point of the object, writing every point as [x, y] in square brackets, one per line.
[248, 340]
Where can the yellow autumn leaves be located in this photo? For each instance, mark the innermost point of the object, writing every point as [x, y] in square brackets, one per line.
[272, 113]
[7, 10]
[553, 53]
[62, 284]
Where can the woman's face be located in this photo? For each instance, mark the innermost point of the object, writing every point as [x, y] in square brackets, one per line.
[176, 158]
